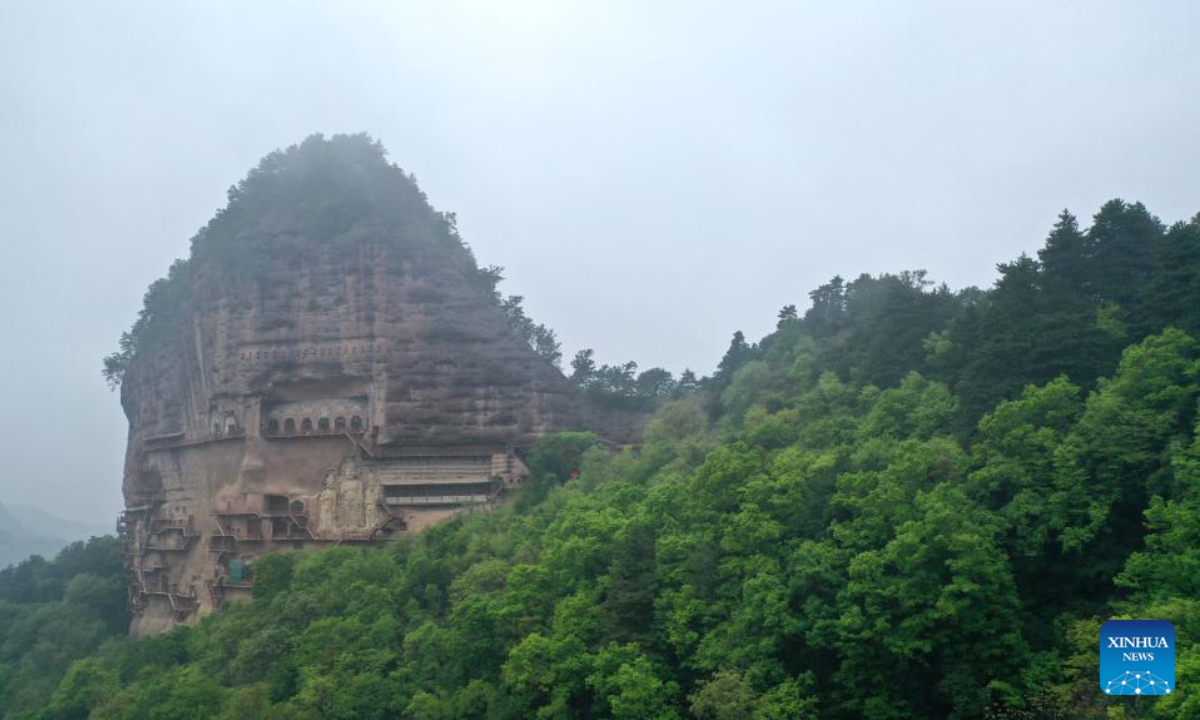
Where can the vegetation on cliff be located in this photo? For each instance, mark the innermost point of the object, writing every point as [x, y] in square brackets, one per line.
[906, 503]
[339, 190]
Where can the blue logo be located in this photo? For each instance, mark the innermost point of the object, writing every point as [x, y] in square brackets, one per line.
[1137, 657]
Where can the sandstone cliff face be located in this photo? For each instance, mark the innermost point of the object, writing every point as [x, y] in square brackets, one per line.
[327, 367]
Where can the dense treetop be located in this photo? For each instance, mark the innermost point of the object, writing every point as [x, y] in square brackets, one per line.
[54, 612]
[906, 502]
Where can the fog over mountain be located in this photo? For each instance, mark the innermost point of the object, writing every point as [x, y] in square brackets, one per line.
[27, 530]
[606, 360]
[691, 166]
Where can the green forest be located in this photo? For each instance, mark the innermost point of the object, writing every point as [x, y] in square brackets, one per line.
[905, 502]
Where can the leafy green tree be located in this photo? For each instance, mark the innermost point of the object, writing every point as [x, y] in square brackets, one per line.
[628, 688]
[628, 606]
[1118, 452]
[273, 575]
[552, 462]
[1017, 459]
[940, 591]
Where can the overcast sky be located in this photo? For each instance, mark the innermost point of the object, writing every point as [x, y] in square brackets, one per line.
[653, 175]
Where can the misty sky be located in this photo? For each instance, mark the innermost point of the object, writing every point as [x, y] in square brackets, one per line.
[653, 175]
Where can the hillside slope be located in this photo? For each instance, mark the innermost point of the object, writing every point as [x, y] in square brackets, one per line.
[907, 503]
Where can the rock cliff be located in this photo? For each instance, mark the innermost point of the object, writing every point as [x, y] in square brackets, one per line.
[330, 365]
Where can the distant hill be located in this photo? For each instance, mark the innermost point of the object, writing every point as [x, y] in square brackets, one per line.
[27, 530]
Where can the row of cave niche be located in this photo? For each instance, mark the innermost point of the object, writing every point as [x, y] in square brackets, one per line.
[306, 426]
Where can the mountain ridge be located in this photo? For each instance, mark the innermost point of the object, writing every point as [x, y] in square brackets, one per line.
[29, 530]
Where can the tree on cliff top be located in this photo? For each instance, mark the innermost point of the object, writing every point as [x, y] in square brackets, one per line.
[340, 189]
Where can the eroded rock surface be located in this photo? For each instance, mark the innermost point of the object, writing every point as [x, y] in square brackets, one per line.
[328, 366]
